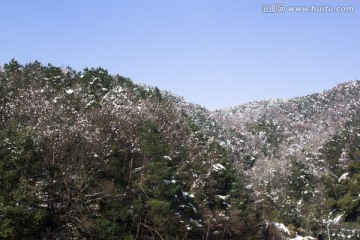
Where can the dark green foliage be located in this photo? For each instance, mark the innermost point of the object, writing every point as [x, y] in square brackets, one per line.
[87, 155]
[269, 133]
[302, 181]
[21, 215]
[12, 67]
[341, 183]
[243, 208]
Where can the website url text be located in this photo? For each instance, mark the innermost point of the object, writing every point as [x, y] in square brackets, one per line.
[282, 8]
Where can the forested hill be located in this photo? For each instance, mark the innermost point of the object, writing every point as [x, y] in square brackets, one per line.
[90, 155]
[95, 156]
[302, 157]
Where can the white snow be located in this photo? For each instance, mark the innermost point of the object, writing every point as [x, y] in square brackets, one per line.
[223, 197]
[282, 227]
[90, 103]
[167, 158]
[337, 219]
[69, 91]
[119, 89]
[301, 238]
[343, 177]
[218, 167]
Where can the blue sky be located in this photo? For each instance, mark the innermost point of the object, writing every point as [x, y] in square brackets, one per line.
[216, 53]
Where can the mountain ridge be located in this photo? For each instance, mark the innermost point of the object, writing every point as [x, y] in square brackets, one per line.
[127, 159]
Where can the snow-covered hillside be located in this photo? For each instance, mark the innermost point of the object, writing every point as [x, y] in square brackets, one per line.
[89, 155]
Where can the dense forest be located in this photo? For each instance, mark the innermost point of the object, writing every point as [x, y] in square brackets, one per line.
[90, 155]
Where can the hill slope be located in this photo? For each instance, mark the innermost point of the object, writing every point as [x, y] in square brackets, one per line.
[91, 155]
[95, 156]
[287, 155]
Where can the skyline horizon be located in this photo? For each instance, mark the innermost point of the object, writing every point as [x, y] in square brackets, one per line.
[215, 54]
[336, 84]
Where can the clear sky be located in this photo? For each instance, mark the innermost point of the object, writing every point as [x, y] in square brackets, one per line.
[216, 53]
